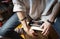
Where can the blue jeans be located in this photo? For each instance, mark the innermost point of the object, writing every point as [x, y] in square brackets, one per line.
[8, 28]
[57, 26]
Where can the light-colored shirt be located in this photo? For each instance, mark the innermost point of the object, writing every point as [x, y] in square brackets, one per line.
[34, 8]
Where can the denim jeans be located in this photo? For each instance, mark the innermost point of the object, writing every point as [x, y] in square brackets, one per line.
[8, 28]
[57, 26]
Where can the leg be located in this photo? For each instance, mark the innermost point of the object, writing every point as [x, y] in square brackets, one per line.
[57, 26]
[8, 27]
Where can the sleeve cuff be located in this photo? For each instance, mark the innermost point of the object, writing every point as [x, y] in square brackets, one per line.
[18, 8]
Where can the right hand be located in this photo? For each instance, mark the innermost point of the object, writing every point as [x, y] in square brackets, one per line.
[30, 32]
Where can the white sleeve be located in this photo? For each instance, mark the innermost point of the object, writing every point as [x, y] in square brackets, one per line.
[18, 6]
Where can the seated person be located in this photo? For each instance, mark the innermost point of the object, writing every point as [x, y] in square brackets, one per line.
[37, 10]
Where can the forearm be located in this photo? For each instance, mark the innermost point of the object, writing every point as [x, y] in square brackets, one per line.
[54, 12]
[24, 22]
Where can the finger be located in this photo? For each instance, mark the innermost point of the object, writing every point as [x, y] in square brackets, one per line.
[31, 31]
[46, 32]
[35, 34]
[42, 26]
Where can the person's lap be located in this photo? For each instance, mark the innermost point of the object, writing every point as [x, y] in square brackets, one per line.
[10, 25]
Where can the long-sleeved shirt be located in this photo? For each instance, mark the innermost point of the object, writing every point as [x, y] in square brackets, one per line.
[35, 8]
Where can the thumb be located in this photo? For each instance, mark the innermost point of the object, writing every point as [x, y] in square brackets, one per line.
[42, 26]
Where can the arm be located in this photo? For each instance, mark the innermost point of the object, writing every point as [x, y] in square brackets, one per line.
[55, 12]
[24, 22]
[46, 26]
[19, 9]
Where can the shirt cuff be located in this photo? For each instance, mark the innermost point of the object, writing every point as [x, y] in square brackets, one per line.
[19, 8]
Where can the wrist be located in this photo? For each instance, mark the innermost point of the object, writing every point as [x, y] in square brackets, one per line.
[50, 22]
[23, 19]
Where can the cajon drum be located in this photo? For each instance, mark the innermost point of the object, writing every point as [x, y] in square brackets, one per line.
[38, 32]
[52, 35]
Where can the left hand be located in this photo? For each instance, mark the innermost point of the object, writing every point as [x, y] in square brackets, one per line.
[46, 26]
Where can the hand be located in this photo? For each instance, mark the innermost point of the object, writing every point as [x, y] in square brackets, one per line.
[30, 32]
[46, 26]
